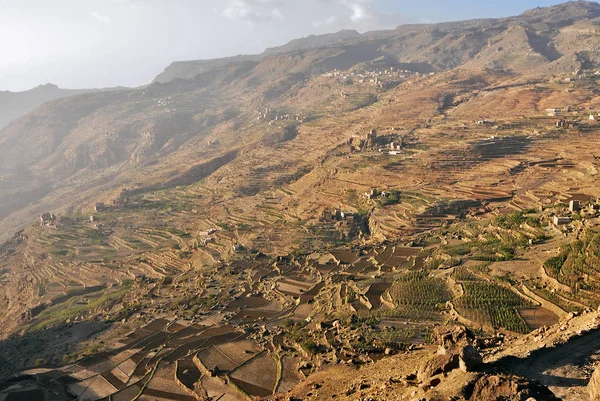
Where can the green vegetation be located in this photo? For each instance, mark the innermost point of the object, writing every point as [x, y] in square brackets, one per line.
[312, 347]
[555, 264]
[396, 338]
[496, 240]
[392, 198]
[298, 332]
[95, 235]
[492, 249]
[462, 273]
[59, 252]
[225, 226]
[418, 296]
[78, 306]
[493, 304]
[553, 297]
[360, 100]
[578, 263]
[512, 221]
[285, 179]
[352, 196]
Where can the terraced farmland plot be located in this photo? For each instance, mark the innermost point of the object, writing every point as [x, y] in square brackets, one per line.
[493, 305]
[289, 374]
[247, 301]
[162, 384]
[213, 359]
[261, 385]
[253, 315]
[418, 296]
[240, 351]
[292, 287]
[218, 390]
[345, 256]
[538, 317]
[362, 266]
[187, 373]
[375, 292]
[385, 255]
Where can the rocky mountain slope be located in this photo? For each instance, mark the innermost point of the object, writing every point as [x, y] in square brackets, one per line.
[113, 134]
[533, 39]
[189, 69]
[16, 104]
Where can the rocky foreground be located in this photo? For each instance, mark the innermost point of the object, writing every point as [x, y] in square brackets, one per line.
[463, 367]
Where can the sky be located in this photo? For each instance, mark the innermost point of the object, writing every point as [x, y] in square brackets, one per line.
[107, 43]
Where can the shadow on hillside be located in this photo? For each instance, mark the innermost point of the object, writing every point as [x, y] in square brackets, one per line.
[543, 364]
[48, 348]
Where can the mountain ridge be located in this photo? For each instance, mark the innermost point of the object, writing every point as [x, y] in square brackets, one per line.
[127, 128]
[16, 104]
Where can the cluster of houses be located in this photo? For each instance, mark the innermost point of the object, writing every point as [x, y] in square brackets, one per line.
[202, 239]
[553, 112]
[47, 219]
[337, 215]
[267, 114]
[165, 102]
[575, 207]
[577, 76]
[569, 111]
[563, 123]
[53, 221]
[382, 78]
[121, 201]
[375, 194]
[372, 142]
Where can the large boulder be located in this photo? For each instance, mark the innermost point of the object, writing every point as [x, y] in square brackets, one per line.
[456, 350]
[594, 385]
[510, 388]
[439, 364]
[451, 336]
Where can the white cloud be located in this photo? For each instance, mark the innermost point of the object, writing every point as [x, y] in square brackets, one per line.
[321, 14]
[358, 13]
[360, 10]
[325, 22]
[253, 10]
[101, 18]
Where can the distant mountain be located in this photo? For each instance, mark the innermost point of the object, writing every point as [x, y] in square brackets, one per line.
[16, 104]
[168, 124]
[554, 39]
[314, 42]
[189, 69]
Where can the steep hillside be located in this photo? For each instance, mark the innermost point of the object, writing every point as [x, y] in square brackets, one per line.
[16, 104]
[523, 44]
[82, 141]
[189, 69]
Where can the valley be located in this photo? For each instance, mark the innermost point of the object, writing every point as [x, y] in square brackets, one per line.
[318, 214]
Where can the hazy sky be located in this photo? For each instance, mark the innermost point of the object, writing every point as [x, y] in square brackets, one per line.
[100, 43]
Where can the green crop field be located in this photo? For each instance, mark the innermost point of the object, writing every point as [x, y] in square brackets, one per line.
[493, 304]
[418, 296]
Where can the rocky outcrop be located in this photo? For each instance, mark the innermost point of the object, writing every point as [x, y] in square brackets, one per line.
[594, 385]
[456, 350]
[510, 388]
